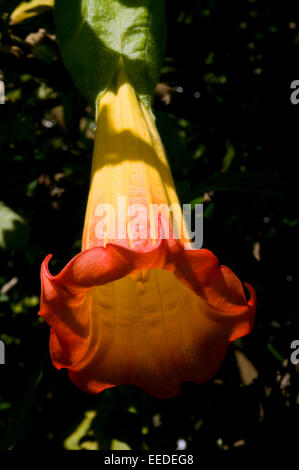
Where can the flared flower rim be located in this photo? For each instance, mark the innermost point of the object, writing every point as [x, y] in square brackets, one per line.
[116, 262]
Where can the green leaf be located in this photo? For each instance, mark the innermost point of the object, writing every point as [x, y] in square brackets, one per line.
[13, 229]
[94, 34]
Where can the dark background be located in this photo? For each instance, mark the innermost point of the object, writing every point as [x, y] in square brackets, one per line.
[232, 137]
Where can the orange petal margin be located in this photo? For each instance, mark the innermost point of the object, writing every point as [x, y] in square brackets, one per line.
[173, 325]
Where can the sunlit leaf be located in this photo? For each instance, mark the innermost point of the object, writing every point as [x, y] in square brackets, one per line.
[93, 34]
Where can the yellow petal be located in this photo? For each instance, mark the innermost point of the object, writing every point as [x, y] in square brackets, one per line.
[129, 169]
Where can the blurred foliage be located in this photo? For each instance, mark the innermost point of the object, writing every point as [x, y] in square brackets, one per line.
[30, 8]
[230, 132]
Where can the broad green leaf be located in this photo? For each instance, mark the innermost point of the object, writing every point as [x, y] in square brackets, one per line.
[28, 9]
[94, 34]
[13, 229]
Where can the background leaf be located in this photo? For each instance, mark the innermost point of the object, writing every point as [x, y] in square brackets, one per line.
[13, 229]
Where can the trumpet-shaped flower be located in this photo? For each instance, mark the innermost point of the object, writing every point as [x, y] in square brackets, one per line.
[135, 306]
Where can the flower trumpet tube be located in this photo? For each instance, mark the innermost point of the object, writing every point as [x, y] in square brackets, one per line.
[137, 306]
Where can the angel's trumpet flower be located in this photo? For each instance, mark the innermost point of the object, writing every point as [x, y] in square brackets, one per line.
[137, 307]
